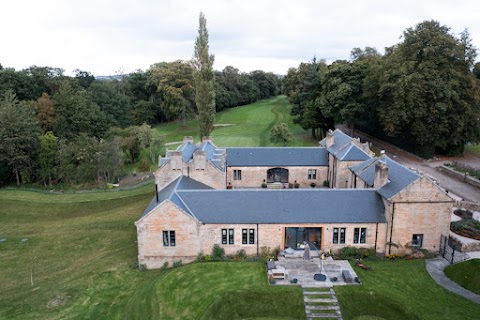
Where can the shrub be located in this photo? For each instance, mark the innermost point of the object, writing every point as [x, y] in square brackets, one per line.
[218, 253]
[142, 267]
[357, 253]
[208, 257]
[200, 256]
[144, 166]
[266, 253]
[164, 266]
[395, 256]
[241, 255]
[177, 263]
[326, 183]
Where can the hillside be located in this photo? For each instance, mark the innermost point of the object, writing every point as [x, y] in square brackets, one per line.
[245, 126]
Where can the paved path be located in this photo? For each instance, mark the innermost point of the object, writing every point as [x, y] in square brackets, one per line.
[435, 268]
[460, 188]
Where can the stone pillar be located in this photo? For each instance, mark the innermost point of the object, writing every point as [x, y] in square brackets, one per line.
[329, 141]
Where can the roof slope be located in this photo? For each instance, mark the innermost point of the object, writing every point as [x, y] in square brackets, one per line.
[285, 206]
[258, 157]
[352, 153]
[340, 139]
[399, 176]
[169, 192]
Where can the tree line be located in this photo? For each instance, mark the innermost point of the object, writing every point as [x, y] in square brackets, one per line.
[423, 94]
[77, 129]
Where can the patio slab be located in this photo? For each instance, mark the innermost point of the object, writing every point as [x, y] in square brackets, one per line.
[304, 270]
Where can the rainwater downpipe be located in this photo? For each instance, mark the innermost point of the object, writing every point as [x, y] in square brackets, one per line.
[391, 230]
[376, 236]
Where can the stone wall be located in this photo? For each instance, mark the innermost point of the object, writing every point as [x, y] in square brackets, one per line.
[460, 176]
[341, 173]
[167, 217]
[252, 177]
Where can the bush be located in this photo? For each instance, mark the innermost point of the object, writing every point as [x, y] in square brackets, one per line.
[326, 183]
[144, 166]
[218, 253]
[395, 256]
[200, 256]
[266, 253]
[241, 255]
[164, 266]
[357, 253]
[177, 263]
[208, 257]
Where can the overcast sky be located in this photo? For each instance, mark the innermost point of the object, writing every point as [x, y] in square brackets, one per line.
[104, 37]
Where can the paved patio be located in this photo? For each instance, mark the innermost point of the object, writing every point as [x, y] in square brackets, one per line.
[304, 270]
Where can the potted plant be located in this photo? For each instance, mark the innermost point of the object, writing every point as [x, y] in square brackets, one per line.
[296, 184]
[229, 186]
[313, 184]
[264, 184]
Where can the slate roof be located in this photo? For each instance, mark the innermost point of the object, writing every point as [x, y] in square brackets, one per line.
[340, 139]
[212, 153]
[170, 192]
[187, 148]
[258, 157]
[352, 153]
[272, 206]
[399, 177]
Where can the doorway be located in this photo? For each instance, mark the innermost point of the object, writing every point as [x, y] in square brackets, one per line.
[295, 237]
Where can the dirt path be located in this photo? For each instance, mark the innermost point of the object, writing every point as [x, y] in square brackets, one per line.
[462, 189]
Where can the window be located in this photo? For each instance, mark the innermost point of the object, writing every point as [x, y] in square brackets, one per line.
[338, 235]
[237, 174]
[312, 174]
[359, 235]
[248, 236]
[169, 238]
[228, 236]
[417, 240]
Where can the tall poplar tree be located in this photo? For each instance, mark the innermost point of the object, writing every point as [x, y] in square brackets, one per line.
[204, 80]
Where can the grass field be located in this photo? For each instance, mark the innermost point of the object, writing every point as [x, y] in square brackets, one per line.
[402, 290]
[466, 274]
[246, 126]
[73, 256]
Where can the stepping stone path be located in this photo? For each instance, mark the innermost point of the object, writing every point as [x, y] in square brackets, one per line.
[321, 303]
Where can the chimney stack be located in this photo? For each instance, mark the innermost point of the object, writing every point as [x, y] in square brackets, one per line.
[188, 139]
[329, 141]
[381, 175]
[207, 139]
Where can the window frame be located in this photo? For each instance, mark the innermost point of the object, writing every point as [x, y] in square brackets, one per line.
[419, 237]
[360, 235]
[312, 174]
[237, 174]
[169, 238]
[228, 236]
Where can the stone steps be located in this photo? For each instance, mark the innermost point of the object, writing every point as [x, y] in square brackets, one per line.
[329, 311]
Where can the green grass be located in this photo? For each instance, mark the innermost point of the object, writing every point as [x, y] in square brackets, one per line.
[245, 126]
[80, 251]
[466, 274]
[402, 290]
[475, 148]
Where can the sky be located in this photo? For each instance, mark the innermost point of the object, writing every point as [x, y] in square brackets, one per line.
[121, 36]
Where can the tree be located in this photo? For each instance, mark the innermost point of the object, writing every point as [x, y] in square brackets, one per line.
[428, 95]
[204, 80]
[19, 131]
[47, 157]
[280, 134]
[174, 82]
[76, 114]
[84, 78]
[46, 112]
[114, 104]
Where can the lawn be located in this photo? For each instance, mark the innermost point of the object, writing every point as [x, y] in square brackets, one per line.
[245, 126]
[402, 290]
[74, 256]
[466, 274]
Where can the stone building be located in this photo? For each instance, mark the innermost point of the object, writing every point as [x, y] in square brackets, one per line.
[207, 195]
